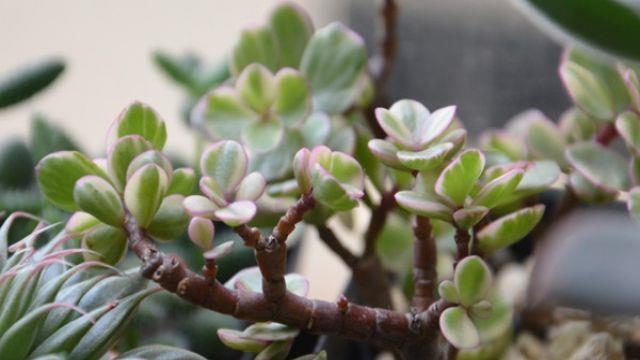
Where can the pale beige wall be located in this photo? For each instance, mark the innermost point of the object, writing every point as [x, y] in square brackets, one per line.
[107, 44]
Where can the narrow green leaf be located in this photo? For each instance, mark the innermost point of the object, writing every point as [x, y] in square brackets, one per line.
[427, 159]
[497, 189]
[28, 80]
[151, 157]
[509, 228]
[468, 217]
[144, 193]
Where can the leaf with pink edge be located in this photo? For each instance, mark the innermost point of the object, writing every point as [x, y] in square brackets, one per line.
[458, 329]
[237, 213]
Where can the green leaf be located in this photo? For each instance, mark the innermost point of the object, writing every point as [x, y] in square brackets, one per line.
[251, 187]
[439, 121]
[386, 152]
[140, 119]
[226, 162]
[633, 203]
[96, 196]
[211, 189]
[302, 169]
[316, 129]
[277, 350]
[28, 80]
[58, 173]
[159, 352]
[256, 45]
[201, 232]
[337, 178]
[237, 213]
[297, 284]
[497, 189]
[171, 219]
[263, 135]
[16, 164]
[80, 222]
[182, 71]
[219, 251]
[332, 62]
[632, 84]
[292, 103]
[600, 165]
[120, 155]
[574, 20]
[538, 176]
[402, 121]
[576, 126]
[198, 205]
[545, 141]
[423, 204]
[222, 114]
[292, 29]
[427, 159]
[151, 157]
[144, 193]
[458, 329]
[447, 290]
[473, 279]
[509, 228]
[481, 310]
[256, 86]
[628, 126]
[458, 178]
[270, 332]
[588, 191]
[588, 92]
[235, 340]
[182, 182]
[109, 244]
[468, 217]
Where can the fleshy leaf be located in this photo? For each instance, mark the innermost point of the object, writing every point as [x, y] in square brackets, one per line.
[402, 121]
[80, 222]
[459, 177]
[545, 141]
[332, 63]
[237, 213]
[219, 251]
[338, 179]
[458, 329]
[602, 166]
[251, 187]
[447, 290]
[235, 340]
[509, 228]
[170, 220]
[538, 176]
[120, 155]
[577, 126]
[426, 159]
[159, 352]
[588, 91]
[144, 193]
[473, 279]
[198, 205]
[201, 232]
[211, 189]
[292, 29]
[108, 243]
[275, 350]
[632, 83]
[151, 157]
[256, 45]
[270, 332]
[423, 204]
[140, 119]
[94, 195]
[226, 162]
[302, 169]
[628, 126]
[222, 114]
[386, 152]
[182, 182]
[263, 135]
[439, 122]
[256, 87]
[589, 192]
[58, 173]
[481, 310]
[316, 129]
[498, 188]
[468, 217]
[292, 103]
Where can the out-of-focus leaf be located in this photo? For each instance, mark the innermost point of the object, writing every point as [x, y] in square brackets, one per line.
[139, 119]
[16, 165]
[458, 329]
[602, 166]
[468, 217]
[47, 138]
[588, 91]
[628, 126]
[256, 45]
[588, 191]
[159, 352]
[226, 162]
[26, 81]
[182, 182]
[546, 142]
[292, 29]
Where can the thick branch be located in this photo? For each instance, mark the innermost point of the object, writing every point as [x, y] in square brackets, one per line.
[378, 220]
[386, 327]
[424, 264]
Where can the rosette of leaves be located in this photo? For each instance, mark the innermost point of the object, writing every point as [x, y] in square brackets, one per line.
[267, 340]
[417, 140]
[469, 292]
[230, 193]
[51, 307]
[335, 178]
[135, 178]
[462, 196]
[259, 110]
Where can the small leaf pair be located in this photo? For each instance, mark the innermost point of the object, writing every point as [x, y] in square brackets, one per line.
[230, 193]
[469, 289]
[258, 109]
[337, 179]
[417, 139]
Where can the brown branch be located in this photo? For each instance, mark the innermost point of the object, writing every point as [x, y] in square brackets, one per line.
[386, 327]
[378, 220]
[388, 45]
[462, 244]
[331, 240]
[606, 134]
[424, 264]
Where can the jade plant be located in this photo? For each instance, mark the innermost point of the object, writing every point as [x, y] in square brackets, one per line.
[295, 135]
